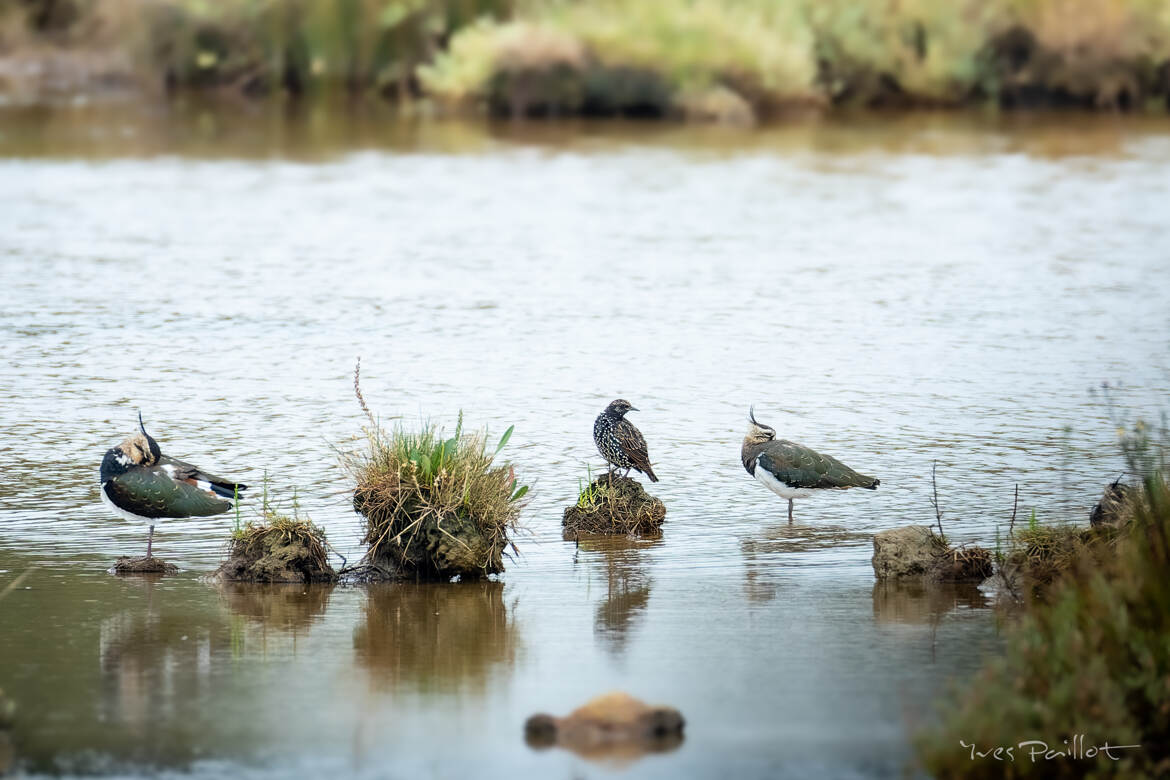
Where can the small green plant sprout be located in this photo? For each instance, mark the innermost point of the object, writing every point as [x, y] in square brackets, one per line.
[236, 506]
[587, 494]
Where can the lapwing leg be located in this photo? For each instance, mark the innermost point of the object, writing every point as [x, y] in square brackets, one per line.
[149, 541]
[790, 510]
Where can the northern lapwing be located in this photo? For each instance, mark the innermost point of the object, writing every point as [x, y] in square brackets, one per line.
[619, 442]
[791, 470]
[140, 483]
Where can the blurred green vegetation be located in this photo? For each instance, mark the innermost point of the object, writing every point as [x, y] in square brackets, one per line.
[1090, 656]
[733, 60]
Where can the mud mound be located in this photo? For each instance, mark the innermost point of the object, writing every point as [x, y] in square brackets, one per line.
[283, 550]
[617, 506]
[149, 565]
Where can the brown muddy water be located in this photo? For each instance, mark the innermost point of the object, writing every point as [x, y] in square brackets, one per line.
[895, 292]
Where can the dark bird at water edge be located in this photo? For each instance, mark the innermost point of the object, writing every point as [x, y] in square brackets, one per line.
[139, 483]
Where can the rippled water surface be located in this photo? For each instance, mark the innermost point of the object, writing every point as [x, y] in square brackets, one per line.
[895, 293]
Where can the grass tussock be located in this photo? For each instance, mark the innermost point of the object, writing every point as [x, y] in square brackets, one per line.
[965, 563]
[1039, 554]
[277, 548]
[614, 505]
[435, 506]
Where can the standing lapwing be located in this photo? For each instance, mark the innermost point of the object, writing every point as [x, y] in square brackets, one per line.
[793, 471]
[140, 483]
[619, 442]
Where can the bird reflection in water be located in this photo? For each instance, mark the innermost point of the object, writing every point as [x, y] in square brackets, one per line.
[620, 560]
[154, 659]
[768, 554]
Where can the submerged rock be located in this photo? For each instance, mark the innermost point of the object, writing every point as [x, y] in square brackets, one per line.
[909, 551]
[149, 565]
[613, 725]
[916, 551]
[619, 506]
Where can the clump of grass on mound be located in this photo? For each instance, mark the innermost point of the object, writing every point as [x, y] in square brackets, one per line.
[1039, 554]
[279, 548]
[1092, 658]
[614, 505]
[965, 563]
[435, 507]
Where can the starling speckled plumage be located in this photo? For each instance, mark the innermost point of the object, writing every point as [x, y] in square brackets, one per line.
[619, 442]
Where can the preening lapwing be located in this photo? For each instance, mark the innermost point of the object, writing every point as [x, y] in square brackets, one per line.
[791, 470]
[140, 483]
[619, 442]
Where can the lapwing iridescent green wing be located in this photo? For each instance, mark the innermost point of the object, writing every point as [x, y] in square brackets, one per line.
[619, 442]
[139, 483]
[791, 470]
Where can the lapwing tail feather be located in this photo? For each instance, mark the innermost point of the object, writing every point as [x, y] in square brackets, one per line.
[227, 489]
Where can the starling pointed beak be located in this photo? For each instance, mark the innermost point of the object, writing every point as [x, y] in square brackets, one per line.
[635, 409]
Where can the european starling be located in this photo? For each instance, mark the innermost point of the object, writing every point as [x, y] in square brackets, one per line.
[619, 442]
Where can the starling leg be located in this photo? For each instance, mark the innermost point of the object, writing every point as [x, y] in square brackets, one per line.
[790, 510]
[149, 541]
